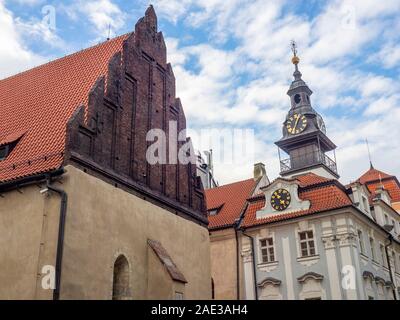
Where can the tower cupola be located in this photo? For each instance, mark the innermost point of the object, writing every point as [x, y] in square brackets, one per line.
[304, 132]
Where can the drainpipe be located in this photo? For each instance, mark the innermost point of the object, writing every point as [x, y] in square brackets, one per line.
[390, 238]
[60, 241]
[237, 265]
[254, 262]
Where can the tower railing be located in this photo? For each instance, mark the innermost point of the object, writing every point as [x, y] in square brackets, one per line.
[306, 160]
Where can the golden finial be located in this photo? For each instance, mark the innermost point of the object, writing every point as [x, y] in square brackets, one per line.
[295, 59]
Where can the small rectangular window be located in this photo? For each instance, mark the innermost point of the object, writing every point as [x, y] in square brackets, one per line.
[383, 255]
[307, 244]
[365, 203]
[267, 250]
[372, 246]
[361, 241]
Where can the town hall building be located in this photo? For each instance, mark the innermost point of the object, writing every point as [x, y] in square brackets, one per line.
[305, 235]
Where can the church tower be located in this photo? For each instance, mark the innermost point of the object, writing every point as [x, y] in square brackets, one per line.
[304, 134]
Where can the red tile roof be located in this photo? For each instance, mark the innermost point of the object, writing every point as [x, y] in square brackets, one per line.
[390, 185]
[38, 104]
[374, 178]
[323, 193]
[231, 198]
[327, 197]
[373, 175]
[311, 179]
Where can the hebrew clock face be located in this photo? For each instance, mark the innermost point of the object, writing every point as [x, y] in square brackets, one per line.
[280, 199]
[321, 124]
[296, 124]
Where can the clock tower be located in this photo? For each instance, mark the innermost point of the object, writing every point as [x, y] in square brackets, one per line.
[304, 134]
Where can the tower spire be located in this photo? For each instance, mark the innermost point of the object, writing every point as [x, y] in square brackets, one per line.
[369, 154]
[295, 60]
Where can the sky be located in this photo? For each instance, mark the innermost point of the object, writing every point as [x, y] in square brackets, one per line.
[232, 63]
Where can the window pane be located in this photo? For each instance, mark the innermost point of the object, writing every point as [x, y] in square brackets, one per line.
[312, 251]
[302, 235]
[270, 241]
[304, 252]
[310, 234]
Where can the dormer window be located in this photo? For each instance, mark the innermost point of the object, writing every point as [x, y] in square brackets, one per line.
[365, 204]
[215, 211]
[8, 143]
[4, 152]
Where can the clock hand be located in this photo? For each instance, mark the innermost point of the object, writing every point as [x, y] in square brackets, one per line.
[297, 121]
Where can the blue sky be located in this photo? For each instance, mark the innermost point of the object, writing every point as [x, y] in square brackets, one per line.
[232, 64]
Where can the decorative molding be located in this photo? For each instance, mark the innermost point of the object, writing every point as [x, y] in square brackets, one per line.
[295, 205]
[367, 274]
[269, 280]
[268, 267]
[310, 275]
[308, 261]
[247, 255]
[330, 242]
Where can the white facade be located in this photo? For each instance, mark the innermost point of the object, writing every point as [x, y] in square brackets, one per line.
[348, 261]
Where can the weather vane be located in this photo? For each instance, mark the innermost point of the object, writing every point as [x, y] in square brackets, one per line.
[293, 45]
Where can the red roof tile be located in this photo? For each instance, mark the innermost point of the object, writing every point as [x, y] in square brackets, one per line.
[231, 198]
[321, 198]
[373, 175]
[390, 185]
[374, 178]
[311, 179]
[39, 103]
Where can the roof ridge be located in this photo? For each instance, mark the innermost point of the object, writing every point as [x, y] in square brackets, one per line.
[230, 184]
[65, 57]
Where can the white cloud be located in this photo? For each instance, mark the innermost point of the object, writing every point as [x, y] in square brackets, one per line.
[103, 15]
[14, 56]
[359, 104]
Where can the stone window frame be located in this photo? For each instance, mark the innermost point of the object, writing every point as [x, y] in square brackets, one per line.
[361, 243]
[307, 241]
[383, 259]
[112, 261]
[372, 248]
[268, 247]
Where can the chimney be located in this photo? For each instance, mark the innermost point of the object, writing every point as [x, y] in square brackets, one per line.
[259, 171]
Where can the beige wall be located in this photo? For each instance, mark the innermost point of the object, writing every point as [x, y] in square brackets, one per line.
[223, 263]
[102, 223]
[28, 233]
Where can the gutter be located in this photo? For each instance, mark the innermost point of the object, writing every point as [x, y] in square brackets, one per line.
[254, 263]
[390, 238]
[60, 240]
[18, 183]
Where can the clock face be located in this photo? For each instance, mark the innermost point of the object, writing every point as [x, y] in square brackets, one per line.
[280, 199]
[321, 124]
[296, 124]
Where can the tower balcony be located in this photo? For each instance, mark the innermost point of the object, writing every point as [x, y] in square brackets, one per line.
[310, 159]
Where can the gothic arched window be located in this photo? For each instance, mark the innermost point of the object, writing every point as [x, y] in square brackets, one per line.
[121, 279]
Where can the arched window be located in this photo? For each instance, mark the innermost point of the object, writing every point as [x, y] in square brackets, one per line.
[121, 279]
